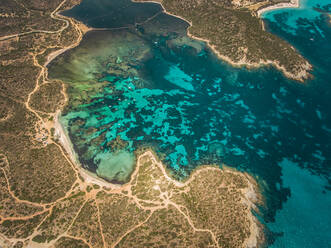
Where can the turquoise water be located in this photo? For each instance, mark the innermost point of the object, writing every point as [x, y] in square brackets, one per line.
[144, 83]
[304, 220]
[305, 15]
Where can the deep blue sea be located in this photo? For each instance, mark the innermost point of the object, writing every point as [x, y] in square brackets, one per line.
[144, 83]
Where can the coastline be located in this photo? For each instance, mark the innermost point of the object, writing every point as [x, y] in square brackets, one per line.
[301, 76]
[60, 133]
[252, 197]
[251, 194]
[83, 194]
[83, 29]
[63, 139]
[291, 4]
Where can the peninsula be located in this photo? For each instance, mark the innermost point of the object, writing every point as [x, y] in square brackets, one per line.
[151, 208]
[234, 31]
[46, 200]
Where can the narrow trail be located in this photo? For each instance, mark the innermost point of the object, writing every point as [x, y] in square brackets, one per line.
[163, 201]
[193, 227]
[53, 16]
[100, 225]
[43, 75]
[23, 217]
[81, 239]
[131, 230]
[16, 198]
[76, 216]
[36, 231]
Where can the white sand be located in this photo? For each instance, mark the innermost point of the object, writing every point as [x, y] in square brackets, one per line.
[291, 4]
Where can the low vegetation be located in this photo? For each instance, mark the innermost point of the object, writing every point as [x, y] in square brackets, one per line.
[236, 33]
[45, 201]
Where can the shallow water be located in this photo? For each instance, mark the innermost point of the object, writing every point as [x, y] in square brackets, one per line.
[292, 18]
[149, 85]
[304, 220]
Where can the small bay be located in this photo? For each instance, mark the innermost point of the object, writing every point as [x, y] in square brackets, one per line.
[142, 82]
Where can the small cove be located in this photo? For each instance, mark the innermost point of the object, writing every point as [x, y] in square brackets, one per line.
[150, 85]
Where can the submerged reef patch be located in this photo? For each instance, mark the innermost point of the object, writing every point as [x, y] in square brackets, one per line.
[149, 85]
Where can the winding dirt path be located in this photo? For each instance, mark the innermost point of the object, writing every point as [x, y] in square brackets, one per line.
[11, 193]
[163, 200]
[53, 16]
[43, 75]
[100, 225]
[131, 230]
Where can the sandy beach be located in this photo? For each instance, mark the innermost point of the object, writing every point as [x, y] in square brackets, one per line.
[251, 197]
[63, 139]
[291, 4]
[60, 133]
